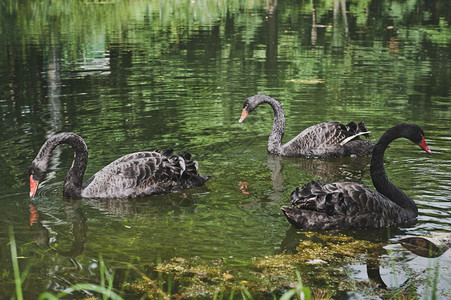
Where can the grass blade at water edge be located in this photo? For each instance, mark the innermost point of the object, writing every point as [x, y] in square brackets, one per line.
[303, 292]
[83, 287]
[17, 278]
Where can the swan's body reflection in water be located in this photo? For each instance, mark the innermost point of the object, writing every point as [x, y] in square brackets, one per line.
[41, 232]
[278, 186]
[337, 169]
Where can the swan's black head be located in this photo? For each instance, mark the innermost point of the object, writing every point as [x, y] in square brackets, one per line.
[409, 131]
[35, 173]
[39, 165]
[251, 103]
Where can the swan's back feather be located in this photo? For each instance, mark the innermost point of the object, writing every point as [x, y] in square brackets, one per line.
[330, 139]
[144, 174]
[342, 205]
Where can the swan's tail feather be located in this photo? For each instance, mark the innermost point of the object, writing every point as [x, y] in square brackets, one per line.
[186, 155]
[355, 130]
[183, 169]
[358, 129]
[290, 214]
[304, 219]
[182, 163]
[362, 128]
[192, 171]
[191, 166]
[167, 152]
[350, 138]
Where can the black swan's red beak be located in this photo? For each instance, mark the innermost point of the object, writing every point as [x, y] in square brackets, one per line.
[244, 114]
[33, 186]
[424, 145]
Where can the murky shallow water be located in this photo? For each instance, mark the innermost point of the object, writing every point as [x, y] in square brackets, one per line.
[147, 76]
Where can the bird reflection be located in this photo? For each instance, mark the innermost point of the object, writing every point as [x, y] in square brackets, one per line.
[144, 206]
[115, 207]
[428, 246]
[39, 233]
[326, 170]
[337, 169]
[275, 165]
[75, 218]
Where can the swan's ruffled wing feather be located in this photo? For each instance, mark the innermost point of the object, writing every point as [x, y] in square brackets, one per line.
[341, 205]
[327, 138]
[142, 173]
[319, 136]
[344, 197]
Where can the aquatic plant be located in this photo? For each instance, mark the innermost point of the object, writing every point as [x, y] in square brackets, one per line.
[318, 262]
[319, 259]
[300, 290]
[106, 290]
[17, 277]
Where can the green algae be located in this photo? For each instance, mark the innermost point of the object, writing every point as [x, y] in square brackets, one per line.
[321, 260]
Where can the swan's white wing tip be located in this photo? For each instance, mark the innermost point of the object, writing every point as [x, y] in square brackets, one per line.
[352, 137]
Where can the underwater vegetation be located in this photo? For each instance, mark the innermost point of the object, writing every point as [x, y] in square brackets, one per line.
[319, 259]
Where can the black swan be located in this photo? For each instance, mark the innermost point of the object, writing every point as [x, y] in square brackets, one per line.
[348, 205]
[134, 175]
[328, 139]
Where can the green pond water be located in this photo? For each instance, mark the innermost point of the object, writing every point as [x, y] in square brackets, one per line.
[144, 75]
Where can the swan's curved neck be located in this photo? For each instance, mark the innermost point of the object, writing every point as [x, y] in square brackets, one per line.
[74, 178]
[278, 127]
[380, 180]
